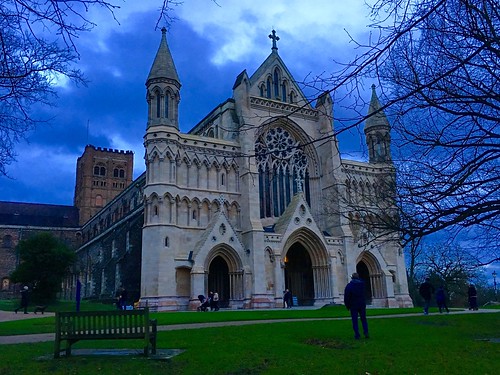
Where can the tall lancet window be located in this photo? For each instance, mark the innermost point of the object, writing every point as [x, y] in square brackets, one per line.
[283, 91]
[167, 106]
[158, 104]
[283, 171]
[268, 88]
[276, 83]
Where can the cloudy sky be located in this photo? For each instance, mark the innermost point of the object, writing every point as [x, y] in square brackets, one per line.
[211, 43]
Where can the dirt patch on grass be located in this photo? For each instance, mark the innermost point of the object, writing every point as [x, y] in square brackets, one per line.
[329, 344]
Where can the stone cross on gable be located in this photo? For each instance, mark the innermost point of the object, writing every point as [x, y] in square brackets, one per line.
[275, 38]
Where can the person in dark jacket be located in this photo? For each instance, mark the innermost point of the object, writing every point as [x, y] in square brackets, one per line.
[354, 300]
[426, 290]
[24, 300]
[441, 299]
[288, 299]
[472, 294]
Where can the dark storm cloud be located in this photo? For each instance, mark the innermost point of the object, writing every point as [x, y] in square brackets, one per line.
[111, 111]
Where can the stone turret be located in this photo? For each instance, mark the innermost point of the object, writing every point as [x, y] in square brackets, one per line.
[163, 85]
[377, 132]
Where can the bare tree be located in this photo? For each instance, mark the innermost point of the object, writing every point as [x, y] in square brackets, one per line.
[438, 63]
[37, 47]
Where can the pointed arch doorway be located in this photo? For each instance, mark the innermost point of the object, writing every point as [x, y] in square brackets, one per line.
[299, 274]
[218, 280]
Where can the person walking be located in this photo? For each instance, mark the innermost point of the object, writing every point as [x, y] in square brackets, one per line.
[426, 290]
[472, 294]
[354, 300]
[24, 300]
[441, 299]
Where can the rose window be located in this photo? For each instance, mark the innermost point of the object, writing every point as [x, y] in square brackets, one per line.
[283, 170]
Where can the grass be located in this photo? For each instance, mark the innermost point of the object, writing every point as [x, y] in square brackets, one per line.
[435, 344]
[46, 325]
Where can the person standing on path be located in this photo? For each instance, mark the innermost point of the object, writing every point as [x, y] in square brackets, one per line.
[354, 300]
[441, 299]
[426, 290]
[24, 300]
[472, 294]
[288, 299]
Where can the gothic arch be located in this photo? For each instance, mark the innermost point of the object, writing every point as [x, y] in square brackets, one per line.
[233, 214]
[313, 244]
[369, 269]
[228, 254]
[205, 213]
[311, 269]
[224, 271]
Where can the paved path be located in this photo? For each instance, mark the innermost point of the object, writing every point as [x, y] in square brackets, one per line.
[42, 337]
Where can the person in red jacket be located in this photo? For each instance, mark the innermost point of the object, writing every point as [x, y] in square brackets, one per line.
[354, 300]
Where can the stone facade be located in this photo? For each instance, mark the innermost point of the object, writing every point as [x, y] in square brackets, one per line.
[110, 253]
[256, 198]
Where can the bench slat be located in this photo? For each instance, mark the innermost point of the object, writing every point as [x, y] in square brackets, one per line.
[93, 325]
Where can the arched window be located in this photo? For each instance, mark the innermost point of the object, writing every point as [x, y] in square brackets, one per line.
[167, 242]
[119, 172]
[194, 214]
[268, 88]
[222, 177]
[261, 90]
[5, 283]
[293, 97]
[276, 83]
[99, 170]
[167, 105]
[158, 105]
[283, 91]
[155, 210]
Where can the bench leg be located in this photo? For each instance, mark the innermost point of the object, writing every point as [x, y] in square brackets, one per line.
[57, 348]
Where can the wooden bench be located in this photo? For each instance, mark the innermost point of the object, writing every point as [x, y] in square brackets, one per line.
[104, 325]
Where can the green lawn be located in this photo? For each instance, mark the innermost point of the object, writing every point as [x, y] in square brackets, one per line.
[435, 344]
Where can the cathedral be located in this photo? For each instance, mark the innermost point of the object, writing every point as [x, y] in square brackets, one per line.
[256, 199]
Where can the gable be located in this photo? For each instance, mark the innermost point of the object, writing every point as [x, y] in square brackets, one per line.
[274, 70]
[297, 215]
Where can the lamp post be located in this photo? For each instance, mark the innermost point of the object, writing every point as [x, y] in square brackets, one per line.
[494, 274]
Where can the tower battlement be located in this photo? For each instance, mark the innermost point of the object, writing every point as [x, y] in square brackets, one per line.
[105, 149]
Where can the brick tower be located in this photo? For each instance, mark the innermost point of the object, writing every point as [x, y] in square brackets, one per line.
[101, 174]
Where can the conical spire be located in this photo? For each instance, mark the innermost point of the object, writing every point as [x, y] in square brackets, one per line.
[378, 118]
[163, 66]
[377, 132]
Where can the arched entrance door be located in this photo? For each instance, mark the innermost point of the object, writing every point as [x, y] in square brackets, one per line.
[364, 274]
[299, 274]
[218, 280]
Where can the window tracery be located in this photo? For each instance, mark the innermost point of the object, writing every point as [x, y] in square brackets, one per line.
[283, 171]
